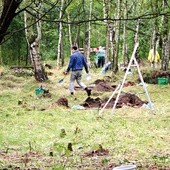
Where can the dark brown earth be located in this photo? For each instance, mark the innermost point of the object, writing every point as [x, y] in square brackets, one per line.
[151, 77]
[102, 86]
[63, 102]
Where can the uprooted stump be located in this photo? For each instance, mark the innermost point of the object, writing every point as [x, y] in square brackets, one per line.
[63, 102]
[125, 99]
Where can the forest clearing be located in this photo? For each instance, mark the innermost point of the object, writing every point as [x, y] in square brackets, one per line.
[39, 132]
[120, 116]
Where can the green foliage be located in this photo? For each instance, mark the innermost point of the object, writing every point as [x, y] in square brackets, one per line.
[16, 46]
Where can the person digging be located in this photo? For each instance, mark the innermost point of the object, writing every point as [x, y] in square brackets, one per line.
[76, 64]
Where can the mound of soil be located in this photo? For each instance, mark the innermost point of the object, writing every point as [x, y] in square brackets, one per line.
[129, 83]
[63, 102]
[125, 99]
[103, 86]
[90, 102]
[152, 77]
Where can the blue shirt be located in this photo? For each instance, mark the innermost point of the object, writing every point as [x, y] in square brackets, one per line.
[77, 62]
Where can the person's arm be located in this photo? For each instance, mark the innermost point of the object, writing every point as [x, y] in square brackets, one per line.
[70, 64]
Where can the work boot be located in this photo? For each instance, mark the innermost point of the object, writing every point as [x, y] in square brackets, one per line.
[88, 91]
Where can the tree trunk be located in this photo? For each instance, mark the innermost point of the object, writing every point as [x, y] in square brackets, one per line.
[109, 31]
[33, 37]
[8, 9]
[69, 32]
[60, 53]
[124, 48]
[89, 39]
[87, 30]
[1, 4]
[136, 40]
[165, 39]
[155, 37]
[116, 40]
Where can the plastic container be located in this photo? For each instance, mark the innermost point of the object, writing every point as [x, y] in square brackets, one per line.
[162, 81]
[125, 167]
[39, 91]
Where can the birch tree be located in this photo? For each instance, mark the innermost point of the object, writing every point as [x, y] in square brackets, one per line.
[33, 36]
[165, 39]
[90, 30]
[87, 30]
[60, 52]
[124, 46]
[109, 30]
[1, 4]
[69, 31]
[116, 38]
[155, 37]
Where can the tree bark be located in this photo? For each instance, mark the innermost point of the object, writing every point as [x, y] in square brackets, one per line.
[60, 53]
[69, 32]
[7, 15]
[124, 48]
[87, 29]
[33, 36]
[116, 38]
[165, 39]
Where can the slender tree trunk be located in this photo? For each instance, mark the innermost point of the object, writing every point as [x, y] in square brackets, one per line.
[1, 4]
[165, 44]
[60, 53]
[124, 48]
[33, 37]
[155, 37]
[117, 31]
[109, 31]
[87, 30]
[90, 30]
[69, 32]
[136, 40]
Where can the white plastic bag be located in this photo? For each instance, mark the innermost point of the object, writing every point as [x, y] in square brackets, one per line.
[88, 77]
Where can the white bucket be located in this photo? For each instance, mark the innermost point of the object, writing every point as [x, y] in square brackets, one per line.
[125, 167]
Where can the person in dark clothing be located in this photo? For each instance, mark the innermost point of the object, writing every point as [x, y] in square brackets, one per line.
[76, 64]
[101, 57]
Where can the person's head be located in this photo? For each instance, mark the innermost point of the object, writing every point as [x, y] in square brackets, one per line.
[74, 48]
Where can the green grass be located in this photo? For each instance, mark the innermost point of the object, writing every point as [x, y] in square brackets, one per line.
[131, 135]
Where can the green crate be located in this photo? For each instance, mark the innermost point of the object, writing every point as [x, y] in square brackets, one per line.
[39, 91]
[162, 81]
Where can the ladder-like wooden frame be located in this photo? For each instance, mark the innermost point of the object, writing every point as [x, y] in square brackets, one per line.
[120, 86]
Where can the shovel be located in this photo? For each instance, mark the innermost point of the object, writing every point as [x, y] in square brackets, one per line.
[61, 80]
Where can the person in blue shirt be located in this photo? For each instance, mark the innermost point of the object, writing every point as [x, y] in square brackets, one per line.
[76, 64]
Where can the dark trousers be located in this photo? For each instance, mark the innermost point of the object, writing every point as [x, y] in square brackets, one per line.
[101, 61]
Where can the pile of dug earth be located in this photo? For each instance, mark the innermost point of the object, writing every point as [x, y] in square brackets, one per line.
[102, 86]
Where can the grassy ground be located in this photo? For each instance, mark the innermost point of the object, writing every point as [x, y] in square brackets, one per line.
[37, 134]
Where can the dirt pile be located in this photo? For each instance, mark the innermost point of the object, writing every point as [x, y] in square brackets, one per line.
[62, 102]
[152, 76]
[125, 99]
[103, 86]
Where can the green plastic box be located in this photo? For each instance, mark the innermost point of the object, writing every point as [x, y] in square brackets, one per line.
[39, 91]
[162, 81]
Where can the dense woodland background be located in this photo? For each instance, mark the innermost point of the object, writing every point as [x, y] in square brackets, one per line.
[32, 31]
